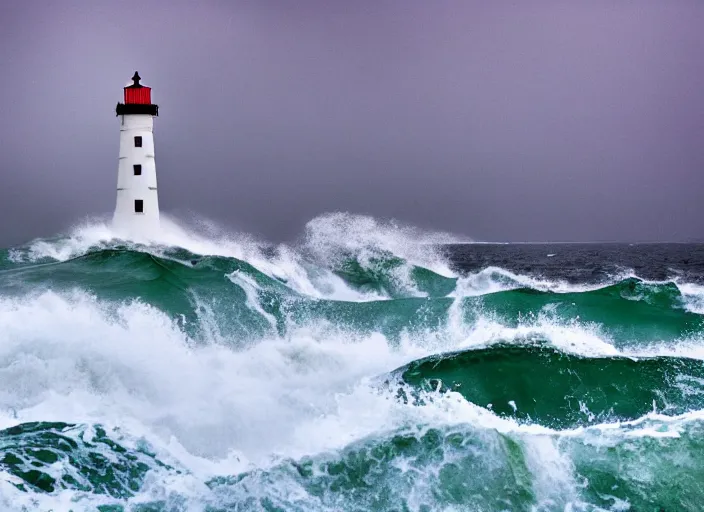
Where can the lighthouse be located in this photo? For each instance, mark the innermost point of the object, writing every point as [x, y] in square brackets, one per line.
[137, 205]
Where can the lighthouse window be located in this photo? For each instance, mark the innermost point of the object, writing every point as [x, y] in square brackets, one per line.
[137, 169]
[138, 206]
[138, 141]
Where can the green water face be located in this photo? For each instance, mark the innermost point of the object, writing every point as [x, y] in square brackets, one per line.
[542, 385]
[391, 276]
[648, 472]
[629, 312]
[418, 469]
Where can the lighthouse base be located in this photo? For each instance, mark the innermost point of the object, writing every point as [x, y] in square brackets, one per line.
[136, 214]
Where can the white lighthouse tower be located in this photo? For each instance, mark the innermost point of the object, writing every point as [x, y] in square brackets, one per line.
[137, 205]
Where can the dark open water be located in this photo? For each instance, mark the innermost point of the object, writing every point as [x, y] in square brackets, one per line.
[584, 263]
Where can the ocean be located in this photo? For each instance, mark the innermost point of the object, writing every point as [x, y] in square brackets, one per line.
[366, 367]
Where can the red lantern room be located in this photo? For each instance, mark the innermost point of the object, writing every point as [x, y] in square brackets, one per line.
[138, 99]
[137, 94]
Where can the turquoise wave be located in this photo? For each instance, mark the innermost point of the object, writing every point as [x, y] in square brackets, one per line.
[538, 384]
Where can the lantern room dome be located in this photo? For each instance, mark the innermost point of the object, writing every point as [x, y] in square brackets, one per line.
[136, 93]
[138, 99]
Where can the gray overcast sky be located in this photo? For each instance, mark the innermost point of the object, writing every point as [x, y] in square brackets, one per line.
[543, 120]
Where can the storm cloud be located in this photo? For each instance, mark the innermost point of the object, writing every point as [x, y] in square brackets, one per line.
[506, 121]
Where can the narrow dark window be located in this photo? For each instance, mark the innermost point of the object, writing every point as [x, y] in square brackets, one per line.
[137, 169]
[138, 141]
[138, 206]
